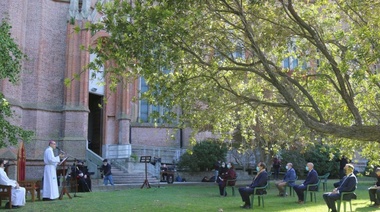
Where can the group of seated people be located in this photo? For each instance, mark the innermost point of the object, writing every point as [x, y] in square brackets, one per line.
[346, 184]
[226, 173]
[80, 177]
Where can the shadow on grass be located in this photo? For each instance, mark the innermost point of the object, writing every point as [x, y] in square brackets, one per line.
[367, 209]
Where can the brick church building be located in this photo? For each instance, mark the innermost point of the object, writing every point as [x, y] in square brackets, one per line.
[70, 114]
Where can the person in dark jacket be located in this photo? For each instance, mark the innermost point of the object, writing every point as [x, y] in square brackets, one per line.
[216, 169]
[289, 179]
[222, 171]
[374, 191]
[83, 177]
[106, 169]
[276, 166]
[342, 163]
[229, 175]
[311, 178]
[260, 180]
[348, 184]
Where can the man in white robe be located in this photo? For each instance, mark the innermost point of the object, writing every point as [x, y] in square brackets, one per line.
[50, 184]
[18, 193]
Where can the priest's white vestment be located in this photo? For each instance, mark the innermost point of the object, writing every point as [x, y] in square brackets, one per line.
[18, 194]
[50, 185]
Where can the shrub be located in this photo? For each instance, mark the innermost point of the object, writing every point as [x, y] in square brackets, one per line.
[203, 156]
[319, 155]
[296, 158]
[323, 161]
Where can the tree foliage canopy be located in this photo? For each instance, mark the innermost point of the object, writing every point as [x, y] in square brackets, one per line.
[227, 60]
[10, 66]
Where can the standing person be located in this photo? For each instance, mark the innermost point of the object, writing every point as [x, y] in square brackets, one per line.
[18, 193]
[260, 180]
[289, 179]
[216, 169]
[229, 175]
[106, 168]
[222, 171]
[50, 184]
[311, 178]
[276, 167]
[342, 163]
[374, 191]
[348, 184]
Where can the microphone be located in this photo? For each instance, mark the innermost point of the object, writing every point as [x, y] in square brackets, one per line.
[60, 150]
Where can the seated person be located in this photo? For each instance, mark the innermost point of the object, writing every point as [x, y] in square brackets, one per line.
[374, 191]
[18, 193]
[229, 175]
[348, 184]
[80, 173]
[164, 174]
[289, 179]
[260, 180]
[311, 178]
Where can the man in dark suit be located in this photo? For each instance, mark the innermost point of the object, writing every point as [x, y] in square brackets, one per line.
[347, 184]
[260, 180]
[311, 178]
[374, 191]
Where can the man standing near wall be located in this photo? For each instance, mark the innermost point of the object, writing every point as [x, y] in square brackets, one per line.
[50, 184]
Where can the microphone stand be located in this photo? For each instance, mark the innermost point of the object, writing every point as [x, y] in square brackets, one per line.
[84, 179]
[76, 180]
[64, 188]
[63, 152]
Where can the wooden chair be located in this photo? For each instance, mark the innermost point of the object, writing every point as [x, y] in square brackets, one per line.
[312, 192]
[232, 187]
[32, 186]
[351, 195]
[259, 196]
[6, 192]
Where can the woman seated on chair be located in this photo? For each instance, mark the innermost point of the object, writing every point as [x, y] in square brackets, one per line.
[230, 174]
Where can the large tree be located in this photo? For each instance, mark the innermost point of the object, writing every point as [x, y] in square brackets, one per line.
[11, 58]
[226, 59]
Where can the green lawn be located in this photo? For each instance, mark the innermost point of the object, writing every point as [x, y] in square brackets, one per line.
[186, 198]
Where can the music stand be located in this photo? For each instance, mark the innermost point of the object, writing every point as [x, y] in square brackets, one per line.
[146, 160]
[64, 190]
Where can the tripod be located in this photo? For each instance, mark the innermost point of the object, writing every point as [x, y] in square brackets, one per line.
[146, 160]
[76, 180]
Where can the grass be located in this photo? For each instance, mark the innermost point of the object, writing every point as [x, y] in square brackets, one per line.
[174, 197]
